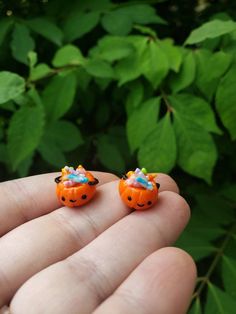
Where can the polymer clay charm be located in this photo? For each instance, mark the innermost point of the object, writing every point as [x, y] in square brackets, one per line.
[75, 187]
[139, 190]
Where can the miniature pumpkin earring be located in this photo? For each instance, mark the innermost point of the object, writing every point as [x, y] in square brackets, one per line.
[139, 190]
[75, 187]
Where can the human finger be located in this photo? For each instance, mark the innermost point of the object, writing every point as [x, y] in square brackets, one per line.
[27, 198]
[93, 273]
[163, 283]
[58, 235]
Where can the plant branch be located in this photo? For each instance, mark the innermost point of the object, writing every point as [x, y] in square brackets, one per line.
[205, 279]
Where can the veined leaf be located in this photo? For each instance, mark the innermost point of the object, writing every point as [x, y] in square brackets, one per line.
[117, 23]
[111, 48]
[173, 54]
[58, 96]
[225, 101]
[99, 68]
[218, 301]
[24, 167]
[109, 154]
[11, 86]
[51, 152]
[208, 74]
[196, 307]
[3, 153]
[197, 109]
[197, 248]
[212, 29]
[47, 29]
[158, 150]
[229, 275]
[135, 97]
[24, 133]
[22, 43]
[186, 75]
[154, 64]
[120, 21]
[80, 23]
[196, 149]
[5, 25]
[68, 55]
[142, 121]
[40, 71]
[65, 134]
[229, 192]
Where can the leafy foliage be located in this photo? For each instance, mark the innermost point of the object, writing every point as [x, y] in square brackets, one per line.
[113, 85]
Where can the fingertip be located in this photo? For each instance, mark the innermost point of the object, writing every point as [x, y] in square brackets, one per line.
[167, 183]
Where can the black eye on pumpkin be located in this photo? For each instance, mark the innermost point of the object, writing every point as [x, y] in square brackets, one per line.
[63, 198]
[84, 196]
[129, 198]
[149, 203]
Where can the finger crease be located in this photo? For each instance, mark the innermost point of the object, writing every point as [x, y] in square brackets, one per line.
[88, 272]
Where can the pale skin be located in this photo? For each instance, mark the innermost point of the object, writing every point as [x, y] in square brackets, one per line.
[101, 258]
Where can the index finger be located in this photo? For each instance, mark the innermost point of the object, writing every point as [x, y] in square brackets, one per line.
[27, 198]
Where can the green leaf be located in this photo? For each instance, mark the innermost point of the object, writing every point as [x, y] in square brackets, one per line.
[40, 71]
[24, 133]
[68, 55]
[117, 23]
[229, 275]
[142, 121]
[154, 65]
[59, 95]
[197, 247]
[65, 134]
[173, 54]
[225, 102]
[51, 152]
[208, 74]
[5, 26]
[99, 68]
[9, 105]
[218, 301]
[33, 59]
[79, 24]
[47, 29]
[196, 149]
[3, 153]
[158, 150]
[186, 75]
[197, 109]
[109, 155]
[120, 21]
[22, 43]
[210, 29]
[24, 167]
[111, 48]
[130, 68]
[134, 97]
[11, 86]
[229, 192]
[211, 208]
[196, 307]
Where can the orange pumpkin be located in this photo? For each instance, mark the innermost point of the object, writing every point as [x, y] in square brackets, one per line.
[138, 198]
[77, 195]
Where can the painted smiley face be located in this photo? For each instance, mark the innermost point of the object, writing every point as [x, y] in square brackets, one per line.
[77, 195]
[138, 198]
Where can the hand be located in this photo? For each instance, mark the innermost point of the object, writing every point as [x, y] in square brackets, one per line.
[99, 258]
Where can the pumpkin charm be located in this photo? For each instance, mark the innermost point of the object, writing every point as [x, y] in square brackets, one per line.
[75, 187]
[138, 190]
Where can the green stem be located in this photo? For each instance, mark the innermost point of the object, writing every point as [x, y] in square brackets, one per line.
[205, 279]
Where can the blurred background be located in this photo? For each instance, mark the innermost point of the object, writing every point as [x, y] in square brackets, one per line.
[115, 85]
